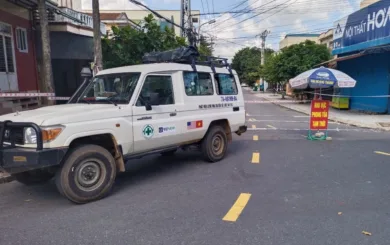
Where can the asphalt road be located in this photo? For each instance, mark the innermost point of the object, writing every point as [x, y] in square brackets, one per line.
[300, 192]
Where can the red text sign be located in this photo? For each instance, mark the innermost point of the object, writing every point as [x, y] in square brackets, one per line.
[319, 115]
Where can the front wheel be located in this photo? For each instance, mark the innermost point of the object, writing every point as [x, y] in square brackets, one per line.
[88, 174]
[214, 144]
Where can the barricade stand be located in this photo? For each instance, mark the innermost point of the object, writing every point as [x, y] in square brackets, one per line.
[319, 117]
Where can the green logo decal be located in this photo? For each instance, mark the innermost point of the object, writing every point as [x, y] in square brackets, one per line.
[148, 131]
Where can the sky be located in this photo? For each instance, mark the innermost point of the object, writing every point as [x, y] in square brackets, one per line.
[232, 32]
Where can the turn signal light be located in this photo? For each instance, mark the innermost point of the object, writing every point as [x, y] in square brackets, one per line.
[50, 134]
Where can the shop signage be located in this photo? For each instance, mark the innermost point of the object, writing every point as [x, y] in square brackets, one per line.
[319, 115]
[368, 27]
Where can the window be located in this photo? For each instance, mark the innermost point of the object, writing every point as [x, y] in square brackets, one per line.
[196, 84]
[111, 88]
[21, 40]
[226, 84]
[162, 85]
[6, 54]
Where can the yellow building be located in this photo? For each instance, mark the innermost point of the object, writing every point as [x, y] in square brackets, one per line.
[291, 39]
[365, 3]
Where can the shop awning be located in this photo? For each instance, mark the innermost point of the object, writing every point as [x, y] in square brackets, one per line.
[348, 57]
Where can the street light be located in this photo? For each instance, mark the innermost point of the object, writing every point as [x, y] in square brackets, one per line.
[206, 23]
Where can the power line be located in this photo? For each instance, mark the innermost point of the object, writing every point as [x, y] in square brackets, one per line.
[245, 10]
[202, 6]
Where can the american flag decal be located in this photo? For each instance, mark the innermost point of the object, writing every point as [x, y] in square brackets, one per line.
[195, 124]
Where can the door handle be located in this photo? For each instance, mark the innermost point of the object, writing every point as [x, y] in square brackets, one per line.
[173, 114]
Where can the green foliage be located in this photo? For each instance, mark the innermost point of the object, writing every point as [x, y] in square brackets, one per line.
[247, 64]
[205, 47]
[126, 45]
[293, 60]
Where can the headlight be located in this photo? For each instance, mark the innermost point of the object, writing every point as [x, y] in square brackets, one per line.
[30, 136]
[48, 134]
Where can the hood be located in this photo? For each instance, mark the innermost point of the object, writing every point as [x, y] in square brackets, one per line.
[68, 113]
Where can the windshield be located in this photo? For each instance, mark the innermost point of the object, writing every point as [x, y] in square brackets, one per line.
[113, 88]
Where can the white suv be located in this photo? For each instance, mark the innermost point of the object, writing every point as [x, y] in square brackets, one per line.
[123, 113]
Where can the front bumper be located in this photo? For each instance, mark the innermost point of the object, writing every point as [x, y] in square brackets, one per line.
[15, 159]
[241, 130]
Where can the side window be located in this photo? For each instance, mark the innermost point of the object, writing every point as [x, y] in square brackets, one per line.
[157, 84]
[226, 84]
[196, 84]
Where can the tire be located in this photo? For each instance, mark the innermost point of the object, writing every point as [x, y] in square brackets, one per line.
[34, 177]
[87, 174]
[214, 144]
[168, 153]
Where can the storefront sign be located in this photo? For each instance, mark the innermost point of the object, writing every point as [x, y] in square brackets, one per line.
[319, 115]
[368, 27]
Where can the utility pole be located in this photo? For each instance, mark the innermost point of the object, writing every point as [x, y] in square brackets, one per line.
[46, 81]
[97, 41]
[187, 29]
[263, 37]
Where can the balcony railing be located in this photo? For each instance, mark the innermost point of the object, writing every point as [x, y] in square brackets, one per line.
[84, 19]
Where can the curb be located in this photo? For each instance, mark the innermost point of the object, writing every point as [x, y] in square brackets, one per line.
[6, 179]
[334, 119]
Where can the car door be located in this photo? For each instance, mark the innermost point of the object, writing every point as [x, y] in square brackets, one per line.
[155, 127]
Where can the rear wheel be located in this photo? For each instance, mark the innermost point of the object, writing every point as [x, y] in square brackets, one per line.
[88, 174]
[33, 177]
[214, 144]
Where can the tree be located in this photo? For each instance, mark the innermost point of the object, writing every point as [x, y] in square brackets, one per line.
[127, 45]
[46, 82]
[293, 60]
[97, 43]
[205, 47]
[247, 64]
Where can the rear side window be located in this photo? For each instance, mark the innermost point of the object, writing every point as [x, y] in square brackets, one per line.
[197, 84]
[226, 84]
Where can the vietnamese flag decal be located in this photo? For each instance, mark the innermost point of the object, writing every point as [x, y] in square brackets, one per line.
[199, 124]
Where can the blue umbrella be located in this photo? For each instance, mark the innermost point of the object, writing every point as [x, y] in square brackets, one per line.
[322, 78]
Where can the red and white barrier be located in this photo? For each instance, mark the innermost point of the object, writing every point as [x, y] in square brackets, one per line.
[25, 95]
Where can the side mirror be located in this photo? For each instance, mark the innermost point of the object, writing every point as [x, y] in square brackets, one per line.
[86, 72]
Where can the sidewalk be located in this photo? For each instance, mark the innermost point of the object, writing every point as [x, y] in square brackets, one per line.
[5, 178]
[381, 122]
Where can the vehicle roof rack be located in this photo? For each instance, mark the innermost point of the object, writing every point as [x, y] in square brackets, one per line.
[186, 55]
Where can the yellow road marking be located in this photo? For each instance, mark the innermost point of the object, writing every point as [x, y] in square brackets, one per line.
[251, 120]
[237, 207]
[270, 126]
[382, 153]
[253, 126]
[256, 157]
[247, 115]
[255, 137]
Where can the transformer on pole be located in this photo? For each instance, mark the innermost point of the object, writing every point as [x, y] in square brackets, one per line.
[186, 20]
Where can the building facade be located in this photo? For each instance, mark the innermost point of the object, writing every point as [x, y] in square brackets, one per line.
[291, 39]
[366, 3]
[326, 38]
[71, 43]
[137, 16]
[362, 43]
[18, 69]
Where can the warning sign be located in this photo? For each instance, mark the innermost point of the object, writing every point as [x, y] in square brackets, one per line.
[319, 115]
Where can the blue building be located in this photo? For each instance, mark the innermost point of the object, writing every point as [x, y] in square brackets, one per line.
[362, 43]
